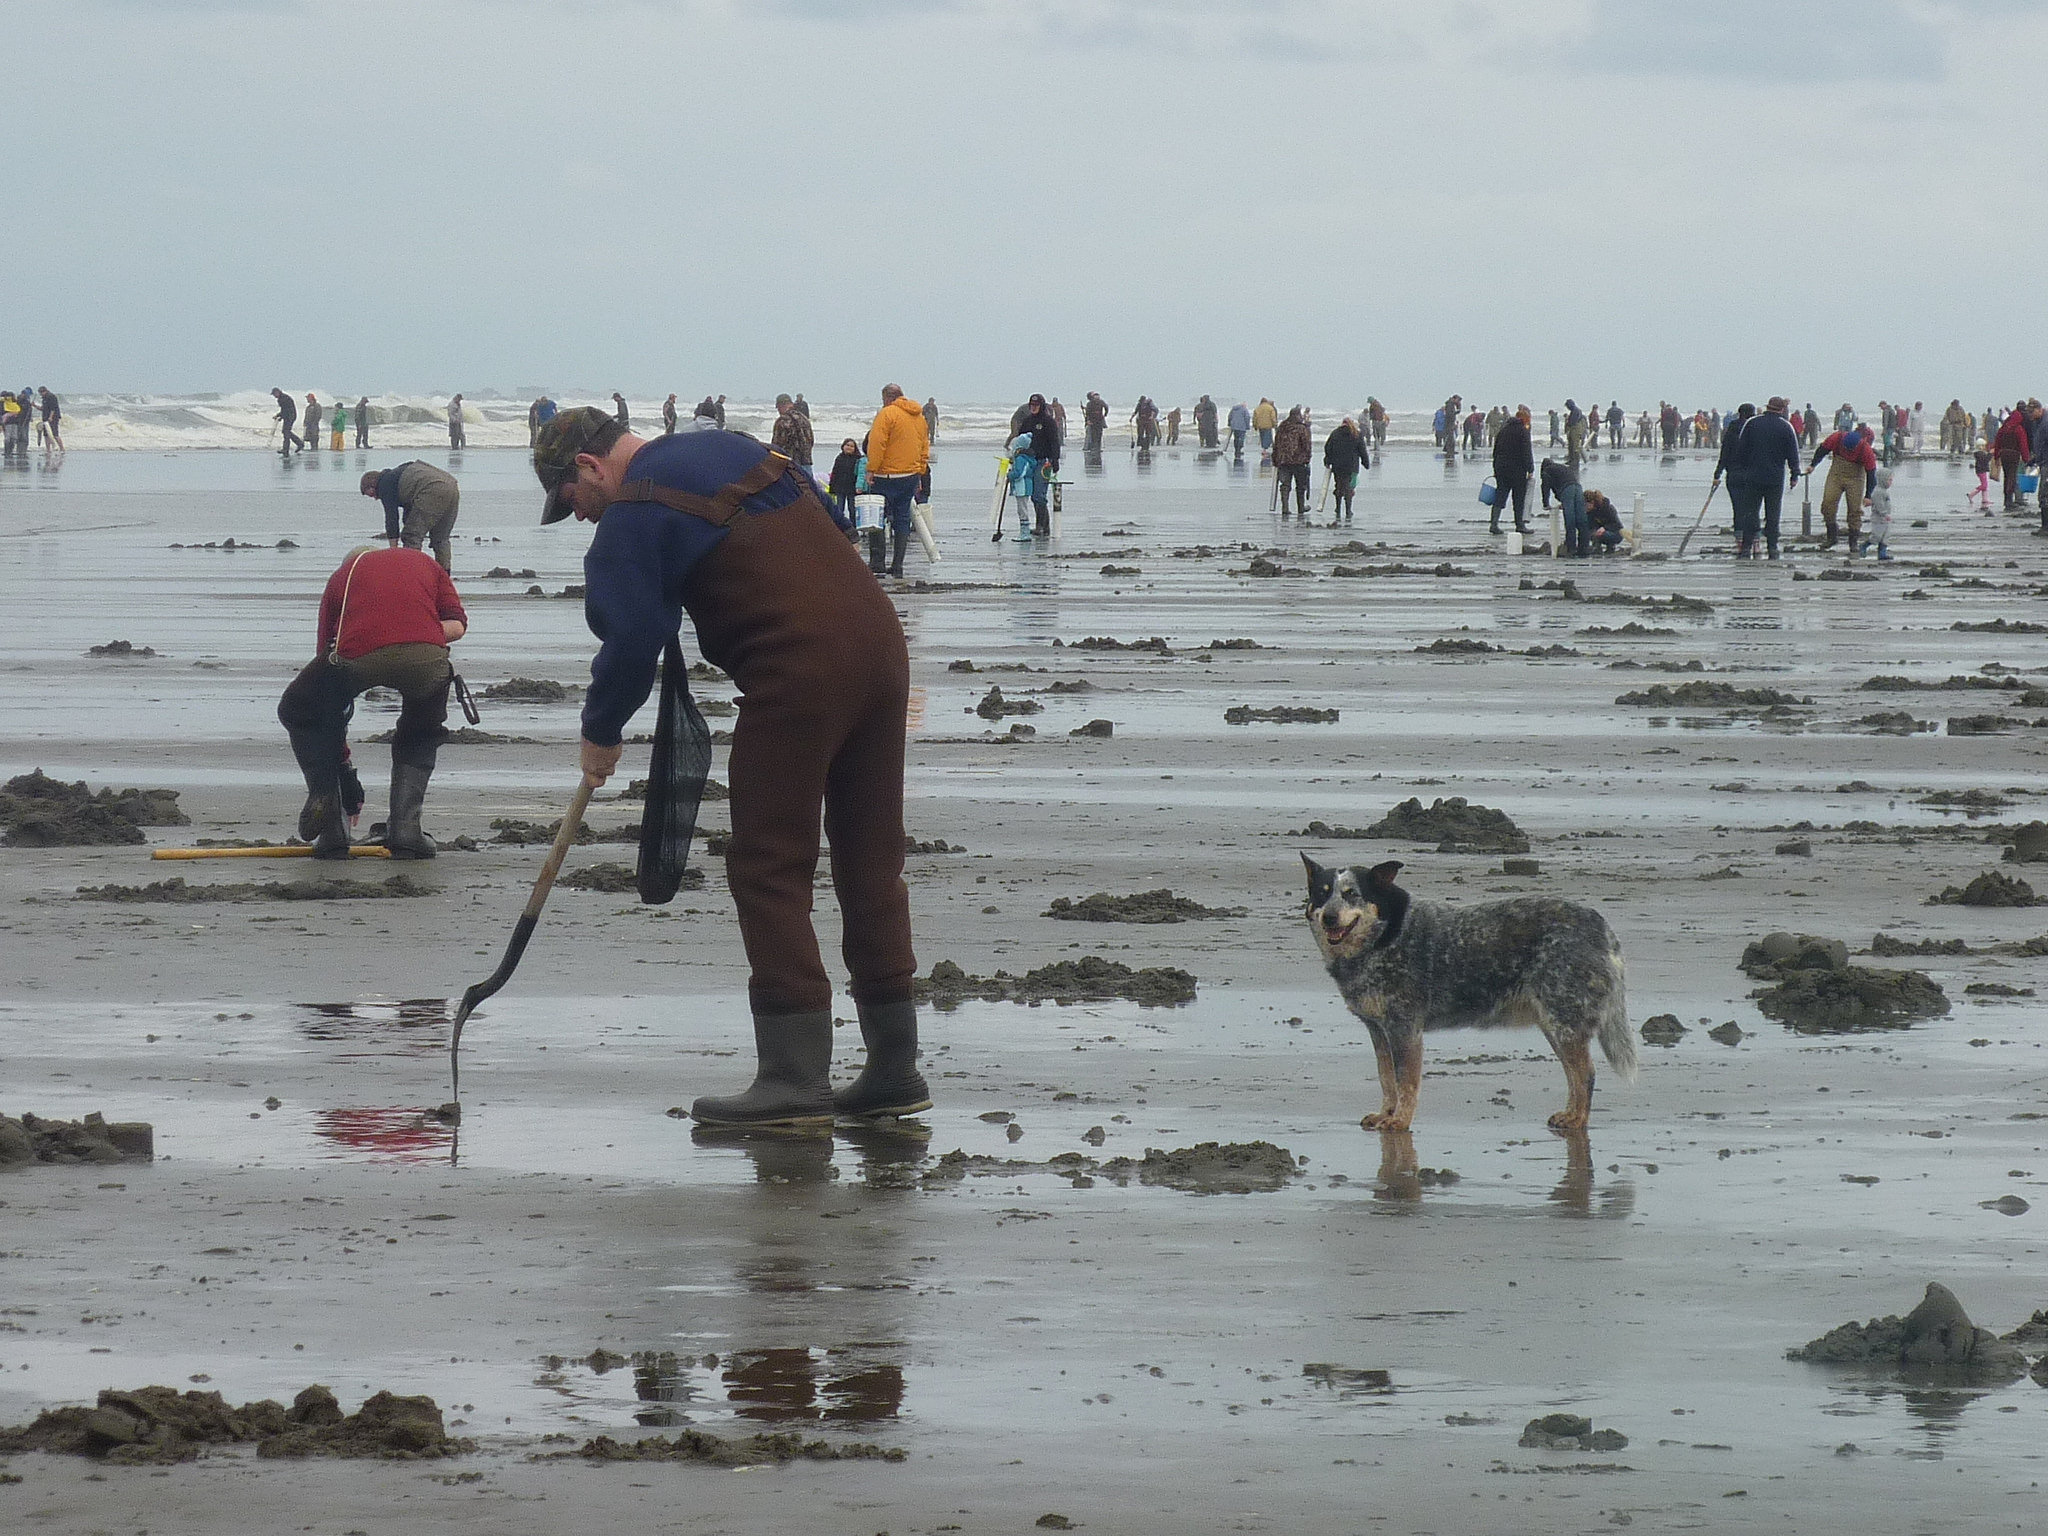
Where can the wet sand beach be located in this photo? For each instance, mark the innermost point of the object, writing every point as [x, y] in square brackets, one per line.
[1041, 1331]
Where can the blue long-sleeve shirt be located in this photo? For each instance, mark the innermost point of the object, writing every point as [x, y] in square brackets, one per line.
[1765, 449]
[640, 559]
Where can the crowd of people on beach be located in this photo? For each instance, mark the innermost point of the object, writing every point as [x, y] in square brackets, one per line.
[29, 410]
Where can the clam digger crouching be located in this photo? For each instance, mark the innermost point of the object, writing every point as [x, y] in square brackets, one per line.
[387, 619]
[715, 524]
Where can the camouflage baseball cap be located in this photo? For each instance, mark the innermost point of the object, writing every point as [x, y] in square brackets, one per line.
[555, 450]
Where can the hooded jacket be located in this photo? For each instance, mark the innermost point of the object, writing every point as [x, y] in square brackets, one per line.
[899, 443]
[1265, 415]
[2013, 438]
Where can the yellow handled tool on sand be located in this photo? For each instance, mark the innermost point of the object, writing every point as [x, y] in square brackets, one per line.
[283, 851]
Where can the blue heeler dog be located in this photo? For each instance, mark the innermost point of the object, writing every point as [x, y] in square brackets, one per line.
[1408, 966]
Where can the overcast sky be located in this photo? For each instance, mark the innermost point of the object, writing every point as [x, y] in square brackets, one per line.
[1313, 199]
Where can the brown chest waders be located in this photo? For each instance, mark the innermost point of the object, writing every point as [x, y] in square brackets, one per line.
[785, 605]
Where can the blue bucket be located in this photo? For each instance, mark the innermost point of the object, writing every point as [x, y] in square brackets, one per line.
[1489, 493]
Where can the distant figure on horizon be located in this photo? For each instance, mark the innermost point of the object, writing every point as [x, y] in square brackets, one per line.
[1240, 423]
[312, 437]
[931, 418]
[363, 422]
[801, 406]
[51, 427]
[339, 422]
[1265, 419]
[718, 412]
[620, 414]
[1095, 416]
[668, 416]
[456, 437]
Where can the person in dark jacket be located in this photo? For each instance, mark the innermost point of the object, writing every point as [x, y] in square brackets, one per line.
[287, 416]
[1291, 447]
[1037, 419]
[844, 483]
[363, 422]
[2013, 446]
[1514, 461]
[724, 529]
[1603, 522]
[1344, 455]
[1760, 457]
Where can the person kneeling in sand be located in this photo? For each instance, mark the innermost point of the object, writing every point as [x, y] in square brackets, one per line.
[387, 619]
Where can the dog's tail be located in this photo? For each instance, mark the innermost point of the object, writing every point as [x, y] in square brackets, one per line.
[1616, 1043]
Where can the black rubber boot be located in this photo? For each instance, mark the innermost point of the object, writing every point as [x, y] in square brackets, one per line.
[889, 1084]
[323, 821]
[792, 1079]
[877, 553]
[1042, 524]
[402, 834]
[896, 542]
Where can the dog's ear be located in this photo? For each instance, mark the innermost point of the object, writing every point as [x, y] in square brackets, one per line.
[1319, 881]
[1381, 876]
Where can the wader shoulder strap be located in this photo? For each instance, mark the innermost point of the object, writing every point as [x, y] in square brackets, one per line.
[722, 504]
[341, 615]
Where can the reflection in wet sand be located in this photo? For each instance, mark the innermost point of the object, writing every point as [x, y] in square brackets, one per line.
[379, 1027]
[1574, 1193]
[409, 1134]
[850, 1384]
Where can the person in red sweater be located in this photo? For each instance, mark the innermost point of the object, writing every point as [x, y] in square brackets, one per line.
[1851, 478]
[387, 619]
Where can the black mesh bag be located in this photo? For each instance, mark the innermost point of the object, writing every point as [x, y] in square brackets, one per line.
[675, 783]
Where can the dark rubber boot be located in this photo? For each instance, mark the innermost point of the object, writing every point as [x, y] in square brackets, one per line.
[877, 552]
[1042, 524]
[896, 542]
[402, 834]
[323, 821]
[792, 1079]
[889, 1084]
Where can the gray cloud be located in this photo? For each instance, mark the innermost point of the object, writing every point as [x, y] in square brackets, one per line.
[1812, 40]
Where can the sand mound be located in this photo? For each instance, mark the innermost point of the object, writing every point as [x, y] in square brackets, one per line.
[1160, 906]
[1212, 1168]
[153, 1425]
[1819, 992]
[1454, 825]
[40, 812]
[32, 1139]
[714, 1450]
[529, 690]
[313, 888]
[1087, 980]
[619, 879]
[1990, 889]
[1935, 1337]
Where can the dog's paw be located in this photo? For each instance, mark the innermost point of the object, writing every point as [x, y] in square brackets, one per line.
[1565, 1120]
[1384, 1120]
